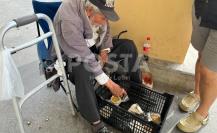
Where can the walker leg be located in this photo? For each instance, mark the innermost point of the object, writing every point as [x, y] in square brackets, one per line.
[69, 95]
[18, 114]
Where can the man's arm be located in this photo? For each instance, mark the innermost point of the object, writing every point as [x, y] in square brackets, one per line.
[74, 38]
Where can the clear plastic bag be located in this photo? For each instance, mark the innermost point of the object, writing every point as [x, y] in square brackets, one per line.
[11, 84]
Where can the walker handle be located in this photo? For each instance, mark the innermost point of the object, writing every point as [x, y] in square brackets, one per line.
[26, 20]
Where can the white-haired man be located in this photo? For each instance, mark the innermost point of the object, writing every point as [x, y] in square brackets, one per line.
[82, 30]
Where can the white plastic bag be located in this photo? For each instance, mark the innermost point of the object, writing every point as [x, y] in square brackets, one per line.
[11, 84]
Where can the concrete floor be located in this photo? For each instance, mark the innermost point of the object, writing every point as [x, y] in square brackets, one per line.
[12, 9]
[48, 111]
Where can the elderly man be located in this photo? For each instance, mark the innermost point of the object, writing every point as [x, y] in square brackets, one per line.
[204, 39]
[82, 30]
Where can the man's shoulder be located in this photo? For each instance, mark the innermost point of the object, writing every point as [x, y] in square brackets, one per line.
[75, 4]
[68, 10]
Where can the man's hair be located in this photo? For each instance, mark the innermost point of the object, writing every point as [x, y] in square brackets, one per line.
[87, 3]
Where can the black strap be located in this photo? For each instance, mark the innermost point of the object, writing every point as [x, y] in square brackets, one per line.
[38, 29]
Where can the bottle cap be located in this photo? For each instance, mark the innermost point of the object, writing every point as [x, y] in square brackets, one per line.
[148, 38]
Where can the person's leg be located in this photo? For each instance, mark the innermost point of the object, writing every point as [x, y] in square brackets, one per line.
[208, 89]
[86, 98]
[126, 52]
[191, 100]
[197, 76]
[207, 86]
[198, 39]
[208, 74]
[83, 81]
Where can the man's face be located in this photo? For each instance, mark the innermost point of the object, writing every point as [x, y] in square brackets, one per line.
[98, 19]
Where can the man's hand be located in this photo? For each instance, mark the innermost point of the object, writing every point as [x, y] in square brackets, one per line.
[103, 56]
[115, 89]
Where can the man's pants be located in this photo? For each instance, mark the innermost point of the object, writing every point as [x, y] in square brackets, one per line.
[83, 79]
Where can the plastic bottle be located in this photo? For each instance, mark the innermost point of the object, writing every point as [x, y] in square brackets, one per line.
[147, 78]
[147, 46]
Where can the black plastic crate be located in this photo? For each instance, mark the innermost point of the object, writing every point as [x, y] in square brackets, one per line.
[149, 101]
